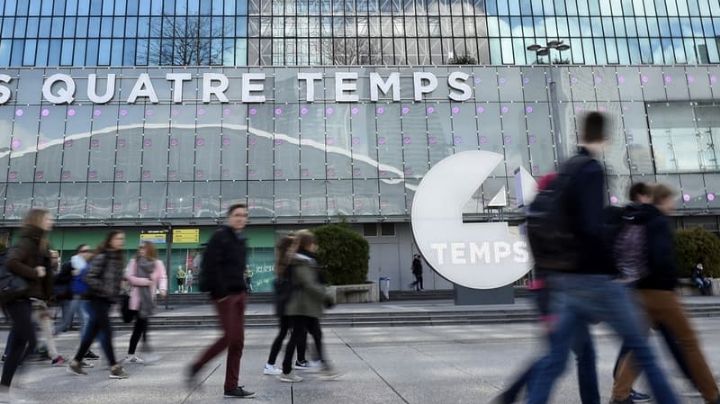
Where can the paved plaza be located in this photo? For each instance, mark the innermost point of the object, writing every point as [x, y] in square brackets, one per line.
[442, 364]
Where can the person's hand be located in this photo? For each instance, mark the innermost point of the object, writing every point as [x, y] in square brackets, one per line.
[40, 271]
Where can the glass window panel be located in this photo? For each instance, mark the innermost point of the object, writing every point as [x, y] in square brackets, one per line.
[126, 196]
[287, 202]
[260, 199]
[72, 201]
[180, 199]
[18, 200]
[207, 201]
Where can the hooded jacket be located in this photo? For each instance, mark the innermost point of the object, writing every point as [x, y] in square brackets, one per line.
[25, 256]
[309, 295]
[662, 265]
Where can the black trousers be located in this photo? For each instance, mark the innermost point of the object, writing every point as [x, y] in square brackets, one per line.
[23, 338]
[418, 284]
[285, 326]
[302, 325]
[139, 330]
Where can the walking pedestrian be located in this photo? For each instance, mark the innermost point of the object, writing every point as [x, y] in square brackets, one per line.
[223, 276]
[306, 305]
[417, 271]
[103, 278]
[582, 345]
[586, 291]
[41, 312]
[145, 273]
[661, 304]
[29, 260]
[80, 266]
[283, 292]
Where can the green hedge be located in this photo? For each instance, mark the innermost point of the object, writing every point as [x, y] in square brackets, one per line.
[344, 254]
[694, 246]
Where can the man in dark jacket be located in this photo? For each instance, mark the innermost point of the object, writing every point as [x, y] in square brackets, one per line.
[661, 304]
[223, 276]
[587, 291]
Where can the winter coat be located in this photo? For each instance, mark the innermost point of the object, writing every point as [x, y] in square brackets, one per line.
[309, 296]
[662, 262]
[105, 275]
[25, 256]
[158, 280]
[225, 262]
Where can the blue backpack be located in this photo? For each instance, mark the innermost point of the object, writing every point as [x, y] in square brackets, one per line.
[79, 286]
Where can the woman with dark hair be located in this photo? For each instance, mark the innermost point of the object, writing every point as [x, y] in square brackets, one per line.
[283, 292]
[29, 259]
[103, 279]
[146, 274]
[306, 305]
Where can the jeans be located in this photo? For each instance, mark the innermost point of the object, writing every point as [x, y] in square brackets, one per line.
[579, 301]
[231, 312]
[70, 308]
[98, 326]
[584, 351]
[285, 326]
[21, 340]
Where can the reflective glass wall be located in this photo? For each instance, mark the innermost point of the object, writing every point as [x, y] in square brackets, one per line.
[291, 159]
[354, 32]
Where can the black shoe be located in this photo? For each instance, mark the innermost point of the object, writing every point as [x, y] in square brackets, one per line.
[625, 401]
[637, 397]
[191, 378]
[239, 392]
[91, 356]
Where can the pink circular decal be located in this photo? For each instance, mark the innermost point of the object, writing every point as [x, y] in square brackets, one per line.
[480, 110]
[455, 110]
[19, 112]
[710, 196]
[45, 112]
[97, 113]
[686, 197]
[355, 110]
[614, 199]
[405, 110]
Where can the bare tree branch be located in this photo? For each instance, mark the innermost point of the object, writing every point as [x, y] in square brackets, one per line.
[187, 41]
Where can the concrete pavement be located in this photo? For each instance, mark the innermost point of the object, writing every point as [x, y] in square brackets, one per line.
[453, 364]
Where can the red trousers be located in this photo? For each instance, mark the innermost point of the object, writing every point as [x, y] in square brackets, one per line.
[231, 313]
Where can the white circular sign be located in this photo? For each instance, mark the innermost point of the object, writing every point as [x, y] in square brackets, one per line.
[474, 255]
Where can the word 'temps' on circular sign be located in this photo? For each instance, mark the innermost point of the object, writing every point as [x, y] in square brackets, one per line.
[474, 255]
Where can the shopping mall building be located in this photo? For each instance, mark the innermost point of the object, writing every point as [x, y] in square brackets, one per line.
[154, 116]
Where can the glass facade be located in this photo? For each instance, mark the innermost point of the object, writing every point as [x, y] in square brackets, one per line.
[354, 32]
[291, 159]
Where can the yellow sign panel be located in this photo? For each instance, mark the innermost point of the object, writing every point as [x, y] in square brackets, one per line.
[154, 236]
[181, 236]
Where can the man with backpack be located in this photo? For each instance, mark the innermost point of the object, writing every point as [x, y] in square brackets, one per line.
[657, 277]
[222, 275]
[565, 231]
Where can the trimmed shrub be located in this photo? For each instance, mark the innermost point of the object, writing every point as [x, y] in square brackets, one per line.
[695, 246]
[343, 253]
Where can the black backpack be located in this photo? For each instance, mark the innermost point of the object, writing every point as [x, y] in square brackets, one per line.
[549, 229]
[12, 286]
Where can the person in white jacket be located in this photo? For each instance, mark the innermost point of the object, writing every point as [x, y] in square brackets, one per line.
[146, 274]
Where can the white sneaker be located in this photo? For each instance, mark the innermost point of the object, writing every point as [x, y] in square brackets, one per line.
[150, 358]
[290, 378]
[133, 359]
[329, 373]
[271, 370]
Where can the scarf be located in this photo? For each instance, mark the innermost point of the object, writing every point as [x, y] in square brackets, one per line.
[145, 269]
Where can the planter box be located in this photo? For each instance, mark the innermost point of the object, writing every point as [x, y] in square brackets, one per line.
[362, 293]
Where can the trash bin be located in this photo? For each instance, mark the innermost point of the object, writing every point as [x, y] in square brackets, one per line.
[384, 288]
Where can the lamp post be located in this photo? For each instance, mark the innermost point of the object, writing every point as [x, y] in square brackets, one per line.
[560, 149]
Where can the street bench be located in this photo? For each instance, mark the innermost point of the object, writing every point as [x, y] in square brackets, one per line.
[363, 293]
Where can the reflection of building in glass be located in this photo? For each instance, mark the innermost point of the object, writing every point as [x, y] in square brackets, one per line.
[652, 65]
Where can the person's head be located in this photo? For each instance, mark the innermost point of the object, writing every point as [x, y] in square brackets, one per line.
[147, 250]
[40, 218]
[84, 251]
[283, 254]
[54, 257]
[594, 131]
[700, 266]
[305, 240]
[664, 198]
[641, 192]
[114, 241]
[237, 216]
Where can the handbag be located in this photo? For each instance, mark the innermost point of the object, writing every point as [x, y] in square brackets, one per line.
[127, 315]
[12, 285]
